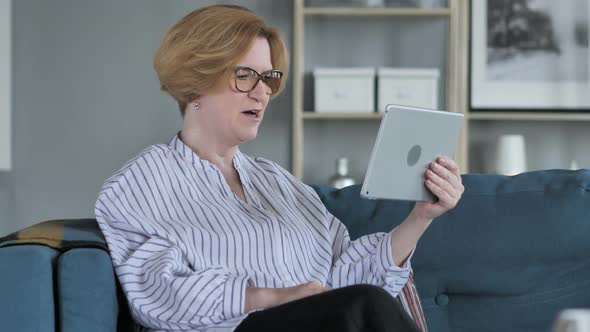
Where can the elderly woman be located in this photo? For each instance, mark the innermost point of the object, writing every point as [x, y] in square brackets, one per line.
[206, 238]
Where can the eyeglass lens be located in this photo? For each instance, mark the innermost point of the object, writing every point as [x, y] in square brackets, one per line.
[247, 79]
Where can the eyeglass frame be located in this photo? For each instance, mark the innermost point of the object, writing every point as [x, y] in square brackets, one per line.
[259, 77]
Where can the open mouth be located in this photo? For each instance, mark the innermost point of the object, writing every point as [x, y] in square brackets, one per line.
[255, 114]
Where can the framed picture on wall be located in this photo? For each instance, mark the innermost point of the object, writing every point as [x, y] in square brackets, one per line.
[530, 54]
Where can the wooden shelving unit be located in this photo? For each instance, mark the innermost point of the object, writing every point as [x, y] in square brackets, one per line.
[456, 68]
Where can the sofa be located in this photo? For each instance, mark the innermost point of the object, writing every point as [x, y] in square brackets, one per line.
[512, 254]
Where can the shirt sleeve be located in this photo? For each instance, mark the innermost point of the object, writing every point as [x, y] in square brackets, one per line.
[366, 260]
[162, 288]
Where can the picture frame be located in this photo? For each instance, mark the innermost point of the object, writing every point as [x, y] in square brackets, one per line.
[530, 55]
[5, 84]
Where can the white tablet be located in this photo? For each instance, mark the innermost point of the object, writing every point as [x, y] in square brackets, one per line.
[409, 138]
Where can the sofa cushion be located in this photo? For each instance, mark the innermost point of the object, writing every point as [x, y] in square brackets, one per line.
[512, 253]
[86, 287]
[26, 290]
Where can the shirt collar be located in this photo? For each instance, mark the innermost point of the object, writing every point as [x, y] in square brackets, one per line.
[189, 155]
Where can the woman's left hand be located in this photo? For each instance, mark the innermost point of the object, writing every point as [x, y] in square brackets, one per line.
[443, 179]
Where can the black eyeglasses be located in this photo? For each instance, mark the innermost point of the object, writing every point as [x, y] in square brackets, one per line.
[247, 78]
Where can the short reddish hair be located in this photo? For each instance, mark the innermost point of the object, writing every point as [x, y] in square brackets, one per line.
[197, 54]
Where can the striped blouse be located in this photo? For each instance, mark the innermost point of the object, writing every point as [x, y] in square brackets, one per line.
[185, 247]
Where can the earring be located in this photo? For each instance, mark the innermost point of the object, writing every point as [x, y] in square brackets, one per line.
[196, 106]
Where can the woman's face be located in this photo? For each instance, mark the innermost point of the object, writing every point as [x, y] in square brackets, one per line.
[232, 116]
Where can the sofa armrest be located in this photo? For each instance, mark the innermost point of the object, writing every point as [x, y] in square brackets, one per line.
[59, 276]
[26, 288]
[87, 291]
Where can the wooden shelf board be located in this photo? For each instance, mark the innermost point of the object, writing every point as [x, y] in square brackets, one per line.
[340, 116]
[336, 11]
[529, 116]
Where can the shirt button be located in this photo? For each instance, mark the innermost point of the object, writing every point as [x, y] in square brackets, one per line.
[442, 299]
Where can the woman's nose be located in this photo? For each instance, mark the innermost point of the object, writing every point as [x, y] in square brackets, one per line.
[261, 90]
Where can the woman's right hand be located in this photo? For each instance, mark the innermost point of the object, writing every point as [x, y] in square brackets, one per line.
[262, 298]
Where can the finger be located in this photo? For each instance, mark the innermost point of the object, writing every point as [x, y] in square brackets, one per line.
[447, 175]
[444, 199]
[442, 183]
[450, 164]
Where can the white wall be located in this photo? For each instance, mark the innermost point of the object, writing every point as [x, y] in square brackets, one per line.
[86, 99]
[5, 84]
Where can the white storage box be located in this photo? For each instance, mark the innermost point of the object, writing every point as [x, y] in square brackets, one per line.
[344, 89]
[408, 86]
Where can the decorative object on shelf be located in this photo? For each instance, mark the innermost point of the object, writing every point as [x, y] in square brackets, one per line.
[375, 3]
[510, 155]
[433, 3]
[530, 54]
[572, 320]
[407, 86]
[344, 89]
[402, 3]
[341, 179]
[5, 85]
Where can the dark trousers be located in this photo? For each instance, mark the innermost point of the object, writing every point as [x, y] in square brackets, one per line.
[359, 308]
